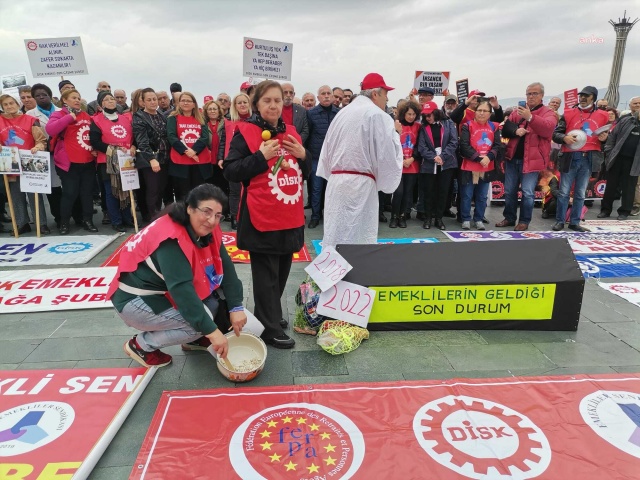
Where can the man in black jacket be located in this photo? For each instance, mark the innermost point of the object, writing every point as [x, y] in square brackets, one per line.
[294, 114]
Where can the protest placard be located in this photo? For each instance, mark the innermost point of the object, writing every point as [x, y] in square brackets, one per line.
[9, 84]
[266, 59]
[55, 57]
[462, 89]
[128, 171]
[439, 81]
[9, 161]
[35, 174]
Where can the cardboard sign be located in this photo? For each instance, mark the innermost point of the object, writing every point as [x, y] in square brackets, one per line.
[348, 302]
[35, 172]
[578, 427]
[439, 81]
[266, 59]
[570, 98]
[462, 90]
[328, 268]
[128, 171]
[9, 161]
[55, 289]
[51, 420]
[52, 250]
[55, 57]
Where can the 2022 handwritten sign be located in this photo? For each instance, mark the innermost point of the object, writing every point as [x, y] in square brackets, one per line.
[348, 302]
[328, 268]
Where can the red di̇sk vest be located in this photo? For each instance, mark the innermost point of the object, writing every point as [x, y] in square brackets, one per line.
[408, 139]
[588, 122]
[118, 133]
[204, 261]
[188, 130]
[481, 139]
[76, 139]
[16, 132]
[229, 130]
[275, 202]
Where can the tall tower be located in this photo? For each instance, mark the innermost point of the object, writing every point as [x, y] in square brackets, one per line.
[622, 28]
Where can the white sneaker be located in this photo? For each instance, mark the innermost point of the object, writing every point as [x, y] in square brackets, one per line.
[635, 212]
[466, 225]
[480, 226]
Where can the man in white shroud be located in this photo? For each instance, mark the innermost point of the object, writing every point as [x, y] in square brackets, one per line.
[361, 155]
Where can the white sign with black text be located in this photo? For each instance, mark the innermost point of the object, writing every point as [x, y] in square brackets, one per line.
[348, 302]
[128, 172]
[35, 175]
[266, 59]
[56, 57]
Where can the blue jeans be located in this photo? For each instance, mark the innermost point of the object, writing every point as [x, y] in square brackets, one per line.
[162, 329]
[579, 172]
[514, 178]
[117, 216]
[479, 194]
[317, 186]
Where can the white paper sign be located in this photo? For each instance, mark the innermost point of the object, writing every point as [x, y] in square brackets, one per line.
[35, 175]
[24, 291]
[630, 291]
[266, 59]
[438, 81]
[348, 302]
[11, 83]
[9, 161]
[55, 57]
[328, 268]
[128, 171]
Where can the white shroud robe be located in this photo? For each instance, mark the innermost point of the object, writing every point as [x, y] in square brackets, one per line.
[361, 138]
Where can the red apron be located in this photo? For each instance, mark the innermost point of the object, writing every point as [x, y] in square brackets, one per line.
[188, 130]
[204, 261]
[215, 142]
[118, 133]
[76, 139]
[481, 139]
[408, 139]
[275, 201]
[588, 122]
[16, 132]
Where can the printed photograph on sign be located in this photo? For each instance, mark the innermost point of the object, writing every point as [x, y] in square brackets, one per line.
[35, 176]
[128, 172]
[9, 161]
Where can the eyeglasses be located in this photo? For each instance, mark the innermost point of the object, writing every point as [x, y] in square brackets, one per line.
[208, 213]
[533, 94]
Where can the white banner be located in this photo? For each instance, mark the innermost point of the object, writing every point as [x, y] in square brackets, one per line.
[605, 246]
[629, 226]
[35, 176]
[11, 83]
[55, 57]
[128, 171]
[9, 161]
[25, 291]
[439, 81]
[630, 291]
[52, 250]
[266, 59]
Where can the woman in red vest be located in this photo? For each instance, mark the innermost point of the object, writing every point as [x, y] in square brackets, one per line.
[110, 132]
[190, 156]
[212, 112]
[479, 146]
[22, 132]
[267, 157]
[240, 111]
[74, 158]
[168, 281]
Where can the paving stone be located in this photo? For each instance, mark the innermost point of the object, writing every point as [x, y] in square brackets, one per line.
[578, 354]
[525, 336]
[628, 332]
[627, 369]
[371, 378]
[93, 326]
[47, 365]
[16, 351]
[496, 357]
[306, 342]
[627, 309]
[107, 363]
[8, 366]
[582, 370]
[200, 372]
[598, 312]
[424, 338]
[278, 370]
[90, 348]
[451, 374]
[396, 360]
[321, 363]
[27, 327]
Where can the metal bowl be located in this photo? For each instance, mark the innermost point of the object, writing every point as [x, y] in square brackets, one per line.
[243, 349]
[581, 139]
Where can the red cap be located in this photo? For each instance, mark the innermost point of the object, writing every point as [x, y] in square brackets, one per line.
[476, 92]
[429, 107]
[374, 80]
[245, 86]
[207, 98]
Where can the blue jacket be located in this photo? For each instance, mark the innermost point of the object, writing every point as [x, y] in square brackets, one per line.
[319, 119]
[427, 151]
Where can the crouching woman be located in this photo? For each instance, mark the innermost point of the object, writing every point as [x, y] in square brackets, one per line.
[169, 281]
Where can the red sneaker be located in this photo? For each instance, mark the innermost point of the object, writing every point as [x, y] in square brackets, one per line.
[200, 344]
[146, 359]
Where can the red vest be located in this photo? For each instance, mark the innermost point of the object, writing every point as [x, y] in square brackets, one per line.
[16, 132]
[408, 139]
[204, 261]
[118, 133]
[275, 202]
[215, 142]
[188, 130]
[481, 139]
[469, 116]
[588, 122]
[76, 139]
[229, 130]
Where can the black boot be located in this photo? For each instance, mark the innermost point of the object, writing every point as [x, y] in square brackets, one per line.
[393, 223]
[234, 223]
[402, 223]
[382, 218]
[89, 226]
[64, 228]
[427, 224]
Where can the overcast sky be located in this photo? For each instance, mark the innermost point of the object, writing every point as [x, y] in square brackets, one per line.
[501, 46]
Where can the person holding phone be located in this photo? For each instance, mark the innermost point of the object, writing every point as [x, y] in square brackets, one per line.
[529, 129]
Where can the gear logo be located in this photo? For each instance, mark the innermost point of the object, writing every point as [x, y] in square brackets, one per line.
[31, 45]
[83, 137]
[589, 268]
[28, 427]
[615, 417]
[118, 131]
[297, 440]
[74, 247]
[532, 235]
[599, 188]
[500, 236]
[479, 438]
[189, 136]
[228, 239]
[472, 235]
[624, 289]
[287, 185]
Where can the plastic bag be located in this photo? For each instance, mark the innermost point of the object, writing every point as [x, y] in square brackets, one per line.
[337, 337]
[307, 320]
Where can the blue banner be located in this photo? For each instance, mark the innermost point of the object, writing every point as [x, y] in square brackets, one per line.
[317, 244]
[610, 265]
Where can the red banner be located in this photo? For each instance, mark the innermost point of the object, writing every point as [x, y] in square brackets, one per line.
[570, 98]
[585, 427]
[229, 240]
[51, 420]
